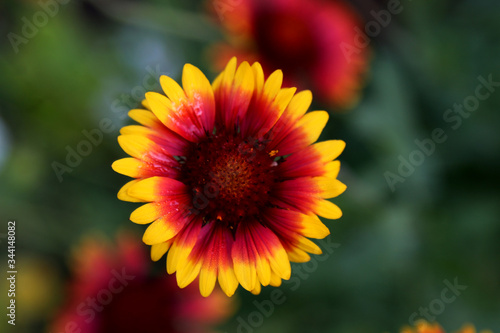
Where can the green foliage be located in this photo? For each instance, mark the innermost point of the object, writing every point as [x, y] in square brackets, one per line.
[396, 247]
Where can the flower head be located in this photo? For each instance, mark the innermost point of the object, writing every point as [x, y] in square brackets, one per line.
[231, 177]
[313, 41]
[425, 327]
[111, 291]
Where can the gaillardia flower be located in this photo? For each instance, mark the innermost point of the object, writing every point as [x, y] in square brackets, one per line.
[111, 290]
[425, 327]
[231, 177]
[312, 41]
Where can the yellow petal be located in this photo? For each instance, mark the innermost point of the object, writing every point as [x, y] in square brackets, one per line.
[161, 106]
[158, 250]
[257, 289]
[143, 117]
[172, 89]
[156, 188]
[177, 254]
[136, 130]
[207, 281]
[332, 169]
[263, 271]
[283, 98]
[313, 124]
[135, 145]
[328, 210]
[217, 82]
[312, 227]
[228, 74]
[123, 193]
[329, 150]
[146, 104]
[280, 263]
[146, 213]
[246, 274]
[159, 231]
[275, 280]
[298, 255]
[187, 272]
[299, 104]
[273, 84]
[128, 166]
[258, 75]
[145, 189]
[330, 187]
[196, 83]
[228, 281]
[307, 245]
[244, 77]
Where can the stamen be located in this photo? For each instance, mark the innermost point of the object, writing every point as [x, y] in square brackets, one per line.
[230, 178]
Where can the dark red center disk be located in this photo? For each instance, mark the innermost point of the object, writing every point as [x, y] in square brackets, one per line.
[230, 178]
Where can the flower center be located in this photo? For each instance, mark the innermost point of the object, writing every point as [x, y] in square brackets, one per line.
[230, 178]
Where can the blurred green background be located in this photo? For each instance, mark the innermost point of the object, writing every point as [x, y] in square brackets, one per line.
[92, 60]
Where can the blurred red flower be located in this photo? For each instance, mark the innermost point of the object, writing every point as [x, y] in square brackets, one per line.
[111, 291]
[425, 327]
[304, 38]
